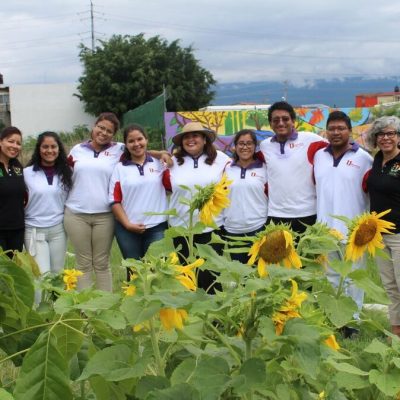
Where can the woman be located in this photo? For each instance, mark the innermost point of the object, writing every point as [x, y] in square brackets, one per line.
[247, 213]
[12, 191]
[88, 220]
[136, 188]
[48, 178]
[384, 190]
[196, 162]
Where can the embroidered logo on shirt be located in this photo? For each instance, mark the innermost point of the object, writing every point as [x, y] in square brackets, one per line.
[395, 170]
[18, 171]
[350, 163]
[295, 145]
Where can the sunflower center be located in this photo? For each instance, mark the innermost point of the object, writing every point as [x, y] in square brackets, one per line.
[274, 249]
[365, 233]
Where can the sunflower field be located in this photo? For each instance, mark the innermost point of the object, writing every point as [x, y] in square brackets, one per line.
[271, 333]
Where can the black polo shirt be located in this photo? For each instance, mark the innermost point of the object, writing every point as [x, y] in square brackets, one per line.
[12, 193]
[384, 188]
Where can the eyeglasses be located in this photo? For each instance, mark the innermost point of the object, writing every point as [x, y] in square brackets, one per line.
[389, 135]
[337, 128]
[245, 144]
[105, 130]
[276, 120]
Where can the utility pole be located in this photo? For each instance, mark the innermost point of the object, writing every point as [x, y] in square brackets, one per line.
[92, 24]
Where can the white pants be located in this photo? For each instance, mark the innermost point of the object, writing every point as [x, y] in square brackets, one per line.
[349, 288]
[47, 246]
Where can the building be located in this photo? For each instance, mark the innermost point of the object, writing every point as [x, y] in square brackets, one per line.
[373, 99]
[35, 108]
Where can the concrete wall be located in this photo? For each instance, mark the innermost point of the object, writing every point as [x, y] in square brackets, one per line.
[40, 107]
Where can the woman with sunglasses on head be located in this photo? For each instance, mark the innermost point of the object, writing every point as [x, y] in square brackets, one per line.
[12, 191]
[136, 188]
[48, 179]
[384, 190]
[88, 219]
[247, 212]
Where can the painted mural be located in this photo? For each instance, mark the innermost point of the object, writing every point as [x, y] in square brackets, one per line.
[226, 123]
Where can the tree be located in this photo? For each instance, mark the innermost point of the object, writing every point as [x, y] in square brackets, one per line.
[126, 71]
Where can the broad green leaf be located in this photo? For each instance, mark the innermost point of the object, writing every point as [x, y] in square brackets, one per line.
[182, 391]
[343, 268]
[340, 311]
[387, 382]
[377, 347]
[4, 395]
[104, 302]
[253, 369]
[299, 329]
[347, 368]
[115, 363]
[136, 312]
[64, 303]
[396, 362]
[375, 292]
[350, 381]
[106, 390]
[183, 371]
[307, 354]
[28, 263]
[44, 373]
[147, 384]
[114, 318]
[69, 338]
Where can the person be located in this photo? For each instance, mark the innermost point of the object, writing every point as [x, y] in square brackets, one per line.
[12, 191]
[340, 172]
[247, 212]
[196, 162]
[383, 185]
[136, 187]
[48, 178]
[88, 219]
[288, 155]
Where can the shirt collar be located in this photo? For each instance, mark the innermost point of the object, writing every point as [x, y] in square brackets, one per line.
[88, 145]
[255, 164]
[293, 136]
[148, 158]
[354, 147]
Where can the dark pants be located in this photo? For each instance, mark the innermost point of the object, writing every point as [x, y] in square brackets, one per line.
[295, 223]
[12, 239]
[135, 245]
[206, 278]
[241, 257]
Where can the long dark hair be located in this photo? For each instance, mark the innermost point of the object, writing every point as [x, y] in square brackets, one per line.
[61, 166]
[209, 150]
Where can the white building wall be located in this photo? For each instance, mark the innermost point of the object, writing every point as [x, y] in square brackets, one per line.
[47, 107]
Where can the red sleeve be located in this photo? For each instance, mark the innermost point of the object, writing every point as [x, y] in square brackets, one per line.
[364, 184]
[266, 189]
[117, 193]
[166, 180]
[313, 148]
[260, 156]
[70, 161]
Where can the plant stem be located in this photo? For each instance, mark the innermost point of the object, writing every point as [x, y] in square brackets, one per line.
[156, 349]
[190, 233]
[340, 287]
[13, 355]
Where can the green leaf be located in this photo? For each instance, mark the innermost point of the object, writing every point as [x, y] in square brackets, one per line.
[147, 384]
[64, 303]
[253, 369]
[105, 301]
[69, 338]
[343, 268]
[377, 347]
[307, 354]
[340, 311]
[387, 382]
[350, 381]
[347, 368]
[4, 395]
[361, 279]
[183, 371]
[44, 373]
[114, 318]
[106, 390]
[182, 391]
[137, 312]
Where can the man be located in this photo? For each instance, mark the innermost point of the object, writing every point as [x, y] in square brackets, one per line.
[288, 156]
[340, 172]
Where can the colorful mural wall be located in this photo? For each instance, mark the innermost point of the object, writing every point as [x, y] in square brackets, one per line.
[226, 123]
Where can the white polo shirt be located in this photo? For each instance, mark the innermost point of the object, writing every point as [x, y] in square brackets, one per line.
[193, 172]
[91, 177]
[45, 206]
[340, 183]
[249, 204]
[291, 191]
[139, 189]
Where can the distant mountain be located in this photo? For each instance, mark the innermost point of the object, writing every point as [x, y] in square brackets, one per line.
[338, 93]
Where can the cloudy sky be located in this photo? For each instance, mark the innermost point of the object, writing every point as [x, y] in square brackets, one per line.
[238, 41]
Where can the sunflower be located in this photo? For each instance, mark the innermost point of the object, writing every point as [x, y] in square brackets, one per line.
[274, 246]
[332, 343]
[212, 199]
[129, 289]
[186, 274]
[173, 318]
[70, 278]
[365, 234]
[290, 309]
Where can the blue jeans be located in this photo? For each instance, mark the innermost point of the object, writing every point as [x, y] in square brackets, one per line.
[135, 245]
